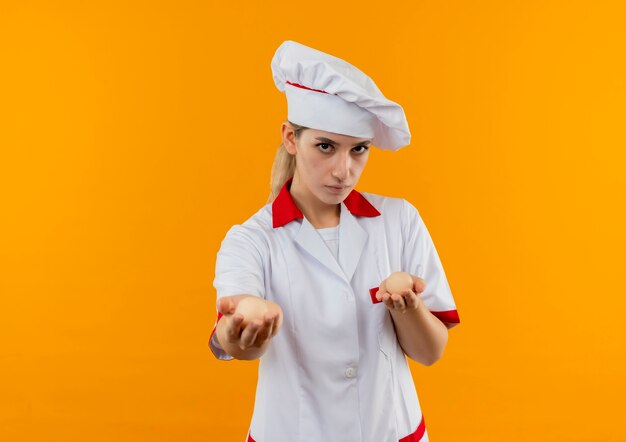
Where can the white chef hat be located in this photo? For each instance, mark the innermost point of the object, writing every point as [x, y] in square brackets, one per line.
[327, 93]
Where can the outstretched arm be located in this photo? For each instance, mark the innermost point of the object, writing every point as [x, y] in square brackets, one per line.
[252, 340]
[422, 336]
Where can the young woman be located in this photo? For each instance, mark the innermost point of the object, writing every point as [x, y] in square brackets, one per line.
[333, 342]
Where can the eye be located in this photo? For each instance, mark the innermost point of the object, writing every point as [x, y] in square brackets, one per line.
[324, 147]
[360, 149]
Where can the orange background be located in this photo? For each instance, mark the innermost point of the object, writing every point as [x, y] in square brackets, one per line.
[134, 134]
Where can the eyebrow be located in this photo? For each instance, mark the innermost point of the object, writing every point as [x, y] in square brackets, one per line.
[329, 141]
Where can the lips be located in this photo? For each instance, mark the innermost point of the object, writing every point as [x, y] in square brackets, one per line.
[337, 189]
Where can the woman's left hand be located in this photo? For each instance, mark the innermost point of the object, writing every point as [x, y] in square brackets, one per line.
[407, 299]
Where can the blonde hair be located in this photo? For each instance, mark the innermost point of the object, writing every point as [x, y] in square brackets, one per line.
[284, 165]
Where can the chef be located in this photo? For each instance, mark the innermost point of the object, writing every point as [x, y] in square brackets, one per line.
[332, 341]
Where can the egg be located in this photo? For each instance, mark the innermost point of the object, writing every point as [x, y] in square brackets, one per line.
[398, 281]
[251, 308]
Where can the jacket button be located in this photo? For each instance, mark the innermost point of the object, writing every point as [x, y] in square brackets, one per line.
[350, 372]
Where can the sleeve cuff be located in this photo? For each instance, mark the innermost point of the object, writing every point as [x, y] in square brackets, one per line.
[215, 346]
[449, 317]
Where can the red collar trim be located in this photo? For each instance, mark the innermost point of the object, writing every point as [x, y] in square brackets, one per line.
[284, 209]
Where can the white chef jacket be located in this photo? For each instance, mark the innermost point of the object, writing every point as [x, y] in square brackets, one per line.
[335, 372]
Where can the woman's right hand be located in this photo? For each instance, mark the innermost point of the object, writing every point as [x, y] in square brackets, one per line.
[249, 341]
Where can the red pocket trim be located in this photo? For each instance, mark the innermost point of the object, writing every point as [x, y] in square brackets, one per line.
[373, 295]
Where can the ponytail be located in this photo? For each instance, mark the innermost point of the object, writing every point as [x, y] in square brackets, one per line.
[284, 166]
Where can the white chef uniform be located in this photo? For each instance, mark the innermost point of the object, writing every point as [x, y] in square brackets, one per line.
[335, 372]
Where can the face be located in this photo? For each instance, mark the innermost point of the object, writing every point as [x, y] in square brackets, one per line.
[328, 165]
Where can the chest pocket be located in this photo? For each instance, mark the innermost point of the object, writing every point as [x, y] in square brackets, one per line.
[386, 331]
[387, 341]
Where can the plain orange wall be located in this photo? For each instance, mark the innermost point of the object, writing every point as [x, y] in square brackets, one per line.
[134, 134]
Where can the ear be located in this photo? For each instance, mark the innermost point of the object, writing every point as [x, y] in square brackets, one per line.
[289, 138]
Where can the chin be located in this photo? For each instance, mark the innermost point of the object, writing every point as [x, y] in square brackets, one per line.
[334, 199]
[338, 200]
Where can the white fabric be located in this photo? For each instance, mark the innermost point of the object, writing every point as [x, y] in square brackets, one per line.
[333, 114]
[352, 105]
[335, 372]
[330, 235]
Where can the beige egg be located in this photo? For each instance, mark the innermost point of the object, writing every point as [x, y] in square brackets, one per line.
[251, 308]
[398, 281]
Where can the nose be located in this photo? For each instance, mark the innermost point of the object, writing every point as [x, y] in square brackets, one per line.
[341, 168]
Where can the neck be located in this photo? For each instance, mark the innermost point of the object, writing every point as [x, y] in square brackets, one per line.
[318, 213]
